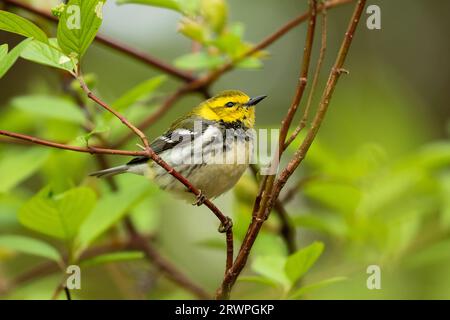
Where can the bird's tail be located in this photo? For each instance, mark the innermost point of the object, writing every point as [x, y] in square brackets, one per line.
[111, 171]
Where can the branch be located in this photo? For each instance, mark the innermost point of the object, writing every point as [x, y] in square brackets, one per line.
[168, 103]
[333, 78]
[211, 77]
[287, 230]
[135, 130]
[303, 80]
[272, 188]
[90, 150]
[226, 223]
[323, 48]
[114, 44]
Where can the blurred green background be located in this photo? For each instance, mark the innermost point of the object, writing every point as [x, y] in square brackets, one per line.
[378, 178]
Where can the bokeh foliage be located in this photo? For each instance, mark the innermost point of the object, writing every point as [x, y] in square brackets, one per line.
[367, 196]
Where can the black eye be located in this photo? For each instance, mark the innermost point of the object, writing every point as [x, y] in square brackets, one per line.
[230, 104]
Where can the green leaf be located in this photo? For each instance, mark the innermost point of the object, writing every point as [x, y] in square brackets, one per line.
[29, 246]
[168, 4]
[78, 26]
[16, 24]
[318, 285]
[110, 209]
[259, 280]
[8, 60]
[45, 54]
[298, 263]
[17, 166]
[113, 257]
[198, 61]
[58, 216]
[272, 267]
[139, 92]
[50, 107]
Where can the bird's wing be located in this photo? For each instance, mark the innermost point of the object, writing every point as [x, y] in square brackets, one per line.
[182, 132]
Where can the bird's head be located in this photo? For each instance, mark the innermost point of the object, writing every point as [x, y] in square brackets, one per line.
[230, 106]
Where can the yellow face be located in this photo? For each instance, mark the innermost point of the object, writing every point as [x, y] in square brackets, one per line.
[230, 106]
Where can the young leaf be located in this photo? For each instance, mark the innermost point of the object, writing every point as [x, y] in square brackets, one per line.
[109, 209]
[299, 263]
[307, 289]
[16, 24]
[84, 139]
[50, 107]
[58, 216]
[17, 166]
[141, 91]
[168, 4]
[45, 54]
[7, 60]
[198, 61]
[272, 267]
[113, 257]
[78, 25]
[29, 246]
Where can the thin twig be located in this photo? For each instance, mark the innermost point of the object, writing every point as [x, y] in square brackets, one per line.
[303, 80]
[226, 224]
[273, 188]
[67, 291]
[333, 78]
[114, 44]
[167, 104]
[287, 230]
[90, 150]
[323, 48]
[138, 239]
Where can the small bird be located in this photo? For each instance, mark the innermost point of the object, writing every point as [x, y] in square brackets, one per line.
[211, 146]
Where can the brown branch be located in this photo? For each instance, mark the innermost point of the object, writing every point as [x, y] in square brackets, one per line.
[90, 150]
[114, 44]
[272, 188]
[135, 130]
[333, 78]
[226, 224]
[303, 79]
[323, 48]
[287, 230]
[168, 103]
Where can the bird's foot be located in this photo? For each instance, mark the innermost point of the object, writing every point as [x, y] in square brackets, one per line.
[226, 225]
[200, 199]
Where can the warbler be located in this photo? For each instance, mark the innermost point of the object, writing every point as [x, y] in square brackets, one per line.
[211, 146]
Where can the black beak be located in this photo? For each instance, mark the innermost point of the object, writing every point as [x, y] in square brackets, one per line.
[254, 101]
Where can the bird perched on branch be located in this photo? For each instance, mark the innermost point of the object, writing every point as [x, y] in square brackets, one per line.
[211, 146]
